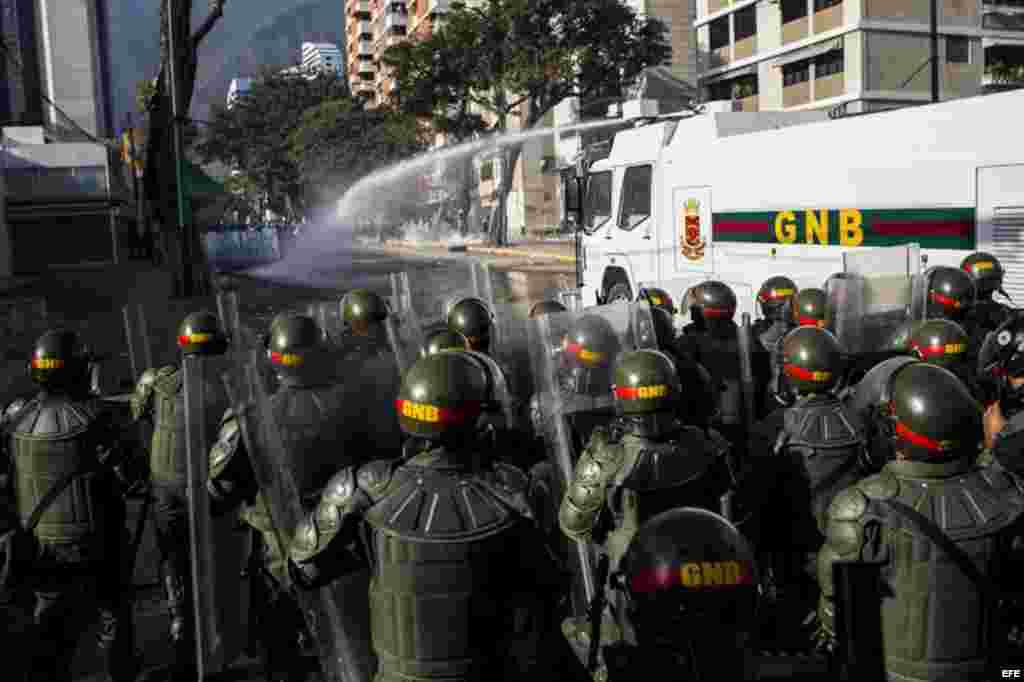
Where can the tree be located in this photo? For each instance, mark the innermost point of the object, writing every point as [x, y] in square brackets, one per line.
[252, 136]
[160, 180]
[340, 141]
[528, 55]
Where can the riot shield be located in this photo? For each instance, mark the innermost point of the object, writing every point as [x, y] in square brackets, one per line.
[405, 332]
[573, 396]
[337, 615]
[140, 350]
[431, 290]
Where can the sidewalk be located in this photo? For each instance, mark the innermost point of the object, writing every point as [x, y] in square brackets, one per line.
[557, 251]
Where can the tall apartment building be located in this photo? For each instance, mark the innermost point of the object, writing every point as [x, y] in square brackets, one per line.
[321, 57]
[864, 55]
[679, 18]
[74, 57]
[361, 62]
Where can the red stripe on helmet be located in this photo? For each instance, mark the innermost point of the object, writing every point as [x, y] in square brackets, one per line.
[810, 322]
[946, 301]
[718, 313]
[807, 374]
[906, 433]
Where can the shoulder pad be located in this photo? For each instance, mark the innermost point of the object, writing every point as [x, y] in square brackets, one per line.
[849, 505]
[375, 476]
[881, 486]
[13, 409]
[603, 449]
[340, 489]
[511, 478]
[228, 439]
[148, 378]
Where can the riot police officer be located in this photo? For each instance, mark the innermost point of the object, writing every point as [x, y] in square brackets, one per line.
[865, 399]
[988, 273]
[658, 298]
[819, 452]
[647, 461]
[810, 308]
[944, 343]
[690, 586]
[450, 510]
[314, 426]
[546, 308]
[941, 562]
[699, 403]
[363, 313]
[473, 319]
[445, 339]
[776, 300]
[713, 341]
[160, 398]
[1002, 358]
[65, 476]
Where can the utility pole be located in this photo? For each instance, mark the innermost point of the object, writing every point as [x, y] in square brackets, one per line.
[935, 49]
[174, 60]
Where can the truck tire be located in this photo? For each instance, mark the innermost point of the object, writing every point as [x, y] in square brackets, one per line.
[620, 291]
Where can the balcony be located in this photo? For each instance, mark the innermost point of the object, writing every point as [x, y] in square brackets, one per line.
[833, 85]
[366, 68]
[745, 48]
[357, 8]
[795, 30]
[828, 19]
[1002, 20]
[717, 5]
[1004, 66]
[393, 21]
[365, 47]
[361, 27]
[796, 94]
[749, 103]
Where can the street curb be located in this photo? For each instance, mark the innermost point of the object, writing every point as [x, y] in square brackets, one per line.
[486, 250]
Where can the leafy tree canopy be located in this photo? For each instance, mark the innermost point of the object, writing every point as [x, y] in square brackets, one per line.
[340, 141]
[253, 135]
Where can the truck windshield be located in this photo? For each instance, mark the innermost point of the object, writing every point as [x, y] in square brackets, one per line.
[598, 203]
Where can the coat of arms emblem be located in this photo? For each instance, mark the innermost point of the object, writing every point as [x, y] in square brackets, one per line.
[692, 245]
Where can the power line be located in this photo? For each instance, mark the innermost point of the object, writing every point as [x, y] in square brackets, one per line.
[21, 68]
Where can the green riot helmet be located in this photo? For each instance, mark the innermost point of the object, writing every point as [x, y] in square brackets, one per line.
[931, 415]
[987, 272]
[812, 360]
[545, 308]
[472, 318]
[951, 293]
[715, 301]
[444, 340]
[442, 396]
[775, 297]
[295, 348]
[589, 349]
[647, 391]
[59, 361]
[690, 581]
[362, 311]
[810, 308]
[658, 298]
[940, 342]
[200, 334]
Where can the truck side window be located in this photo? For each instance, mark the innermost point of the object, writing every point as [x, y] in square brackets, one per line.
[636, 197]
[598, 201]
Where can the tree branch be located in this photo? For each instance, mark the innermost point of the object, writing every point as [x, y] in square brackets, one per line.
[216, 12]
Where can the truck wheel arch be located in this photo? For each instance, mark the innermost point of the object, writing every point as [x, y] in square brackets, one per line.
[616, 283]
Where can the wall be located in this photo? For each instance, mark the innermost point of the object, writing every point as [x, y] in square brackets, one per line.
[892, 58]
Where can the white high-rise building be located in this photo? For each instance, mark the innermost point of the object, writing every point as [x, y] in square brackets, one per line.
[321, 57]
[238, 87]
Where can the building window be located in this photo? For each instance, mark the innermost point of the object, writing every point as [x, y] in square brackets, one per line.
[719, 90]
[828, 64]
[719, 33]
[795, 73]
[745, 23]
[793, 10]
[636, 197]
[820, 5]
[744, 86]
[598, 201]
[958, 50]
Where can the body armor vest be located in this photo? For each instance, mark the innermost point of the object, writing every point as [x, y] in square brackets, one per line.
[935, 621]
[720, 353]
[168, 455]
[823, 443]
[443, 576]
[656, 477]
[987, 315]
[52, 436]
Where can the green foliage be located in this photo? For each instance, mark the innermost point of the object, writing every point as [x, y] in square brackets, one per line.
[340, 141]
[1005, 73]
[253, 135]
[144, 91]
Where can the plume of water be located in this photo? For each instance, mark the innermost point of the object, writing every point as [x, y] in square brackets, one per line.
[377, 207]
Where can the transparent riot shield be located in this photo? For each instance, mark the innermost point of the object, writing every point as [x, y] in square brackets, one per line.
[573, 357]
[217, 549]
[870, 318]
[337, 615]
[431, 290]
[140, 349]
